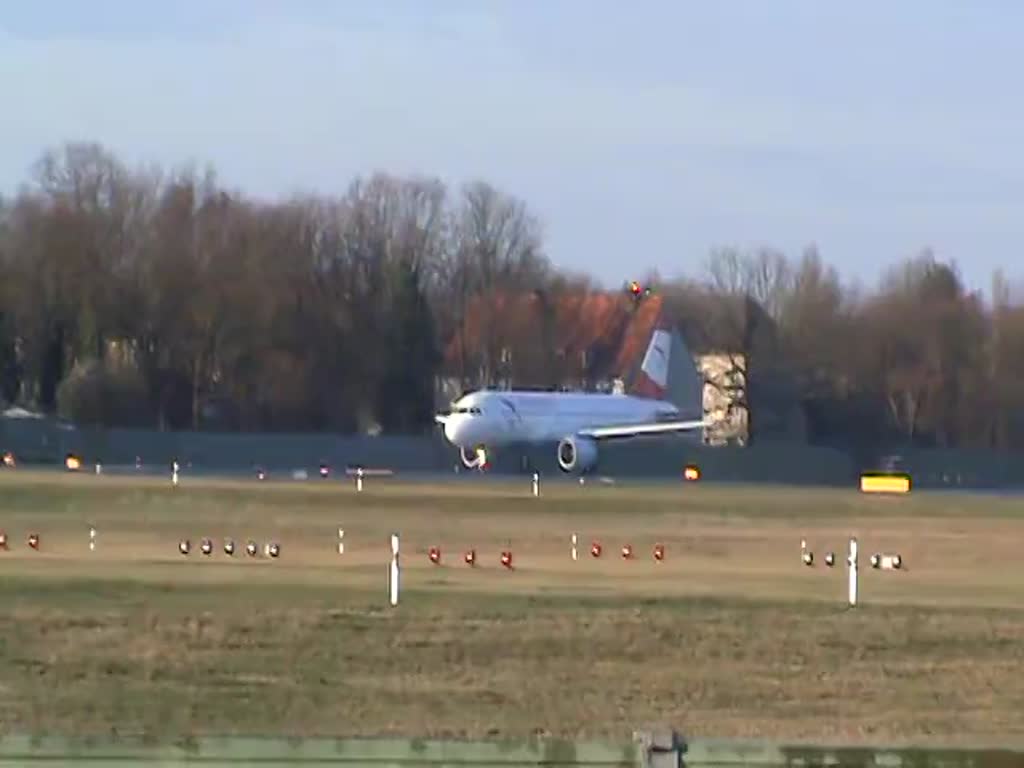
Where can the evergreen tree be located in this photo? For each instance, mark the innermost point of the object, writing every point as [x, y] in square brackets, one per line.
[405, 401]
[9, 374]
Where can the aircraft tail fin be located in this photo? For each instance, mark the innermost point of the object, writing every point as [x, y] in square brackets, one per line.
[668, 371]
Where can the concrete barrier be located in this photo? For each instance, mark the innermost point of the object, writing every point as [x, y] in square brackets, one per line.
[669, 750]
[279, 752]
[648, 749]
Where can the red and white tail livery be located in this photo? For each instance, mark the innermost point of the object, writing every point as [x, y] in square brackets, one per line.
[652, 380]
[665, 396]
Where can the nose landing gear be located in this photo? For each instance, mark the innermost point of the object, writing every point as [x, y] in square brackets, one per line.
[474, 458]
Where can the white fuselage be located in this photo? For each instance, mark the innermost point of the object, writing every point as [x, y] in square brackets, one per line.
[493, 418]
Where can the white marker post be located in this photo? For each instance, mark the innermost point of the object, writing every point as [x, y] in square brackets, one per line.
[92, 539]
[575, 554]
[394, 572]
[806, 557]
[852, 563]
[174, 474]
[341, 541]
[359, 480]
[536, 484]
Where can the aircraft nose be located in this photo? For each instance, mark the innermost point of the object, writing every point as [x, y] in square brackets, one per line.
[451, 430]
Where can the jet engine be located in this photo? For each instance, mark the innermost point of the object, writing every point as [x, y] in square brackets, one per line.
[577, 454]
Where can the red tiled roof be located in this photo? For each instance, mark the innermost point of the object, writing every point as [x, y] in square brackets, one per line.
[581, 322]
[647, 317]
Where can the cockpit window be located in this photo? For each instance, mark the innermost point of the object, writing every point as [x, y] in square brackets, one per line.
[469, 411]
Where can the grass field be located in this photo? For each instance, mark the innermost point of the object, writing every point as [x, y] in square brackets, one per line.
[729, 636]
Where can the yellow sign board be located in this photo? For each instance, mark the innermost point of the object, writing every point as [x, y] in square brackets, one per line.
[885, 483]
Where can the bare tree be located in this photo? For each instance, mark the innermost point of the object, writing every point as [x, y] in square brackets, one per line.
[750, 290]
[813, 319]
[927, 367]
[497, 248]
[764, 276]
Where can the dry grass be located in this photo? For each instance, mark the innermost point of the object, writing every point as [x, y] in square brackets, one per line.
[730, 636]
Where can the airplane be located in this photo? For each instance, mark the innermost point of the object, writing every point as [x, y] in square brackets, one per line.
[666, 397]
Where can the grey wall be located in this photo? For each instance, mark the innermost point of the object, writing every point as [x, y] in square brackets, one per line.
[37, 441]
[948, 468]
[645, 750]
[43, 441]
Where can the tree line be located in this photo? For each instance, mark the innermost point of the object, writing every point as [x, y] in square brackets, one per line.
[162, 298]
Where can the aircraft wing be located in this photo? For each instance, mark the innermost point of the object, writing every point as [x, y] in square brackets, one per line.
[650, 428]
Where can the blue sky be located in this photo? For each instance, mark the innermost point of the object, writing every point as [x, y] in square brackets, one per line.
[643, 134]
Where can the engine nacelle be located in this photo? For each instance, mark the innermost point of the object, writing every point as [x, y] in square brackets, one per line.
[577, 454]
